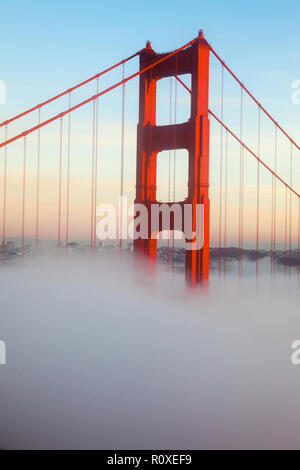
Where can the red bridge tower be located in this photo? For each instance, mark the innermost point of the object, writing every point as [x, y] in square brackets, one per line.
[192, 135]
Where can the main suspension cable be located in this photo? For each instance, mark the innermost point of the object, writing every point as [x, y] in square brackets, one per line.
[92, 98]
[38, 183]
[69, 90]
[4, 199]
[253, 98]
[253, 154]
[68, 175]
[23, 198]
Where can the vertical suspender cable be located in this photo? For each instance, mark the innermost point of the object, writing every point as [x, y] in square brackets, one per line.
[68, 175]
[221, 171]
[275, 197]
[38, 183]
[96, 162]
[174, 159]
[170, 153]
[23, 197]
[122, 160]
[4, 198]
[175, 138]
[59, 184]
[93, 179]
[291, 201]
[272, 223]
[241, 187]
[170, 122]
[225, 202]
[298, 237]
[242, 215]
[151, 121]
[285, 228]
[273, 226]
[258, 196]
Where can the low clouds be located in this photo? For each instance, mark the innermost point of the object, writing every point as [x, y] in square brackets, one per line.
[97, 358]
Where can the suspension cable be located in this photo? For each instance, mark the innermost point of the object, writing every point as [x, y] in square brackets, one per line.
[38, 183]
[69, 90]
[175, 141]
[291, 202]
[273, 227]
[4, 199]
[221, 172]
[253, 154]
[96, 163]
[59, 183]
[258, 182]
[253, 98]
[68, 175]
[258, 194]
[285, 228]
[92, 98]
[122, 159]
[170, 154]
[298, 238]
[241, 188]
[174, 161]
[23, 198]
[226, 197]
[183, 84]
[93, 176]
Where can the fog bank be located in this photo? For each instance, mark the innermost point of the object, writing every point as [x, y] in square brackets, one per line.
[97, 359]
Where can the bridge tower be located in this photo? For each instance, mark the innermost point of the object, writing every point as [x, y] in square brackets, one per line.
[192, 135]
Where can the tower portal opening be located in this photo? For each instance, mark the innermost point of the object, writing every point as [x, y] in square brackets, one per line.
[173, 100]
[165, 175]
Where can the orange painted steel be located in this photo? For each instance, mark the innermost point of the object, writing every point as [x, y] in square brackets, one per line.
[192, 135]
[89, 100]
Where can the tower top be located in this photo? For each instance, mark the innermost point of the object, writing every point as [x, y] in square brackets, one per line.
[201, 34]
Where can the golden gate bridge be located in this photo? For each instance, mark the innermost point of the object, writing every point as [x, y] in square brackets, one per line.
[274, 171]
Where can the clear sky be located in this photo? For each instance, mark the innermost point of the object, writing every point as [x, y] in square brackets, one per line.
[48, 46]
